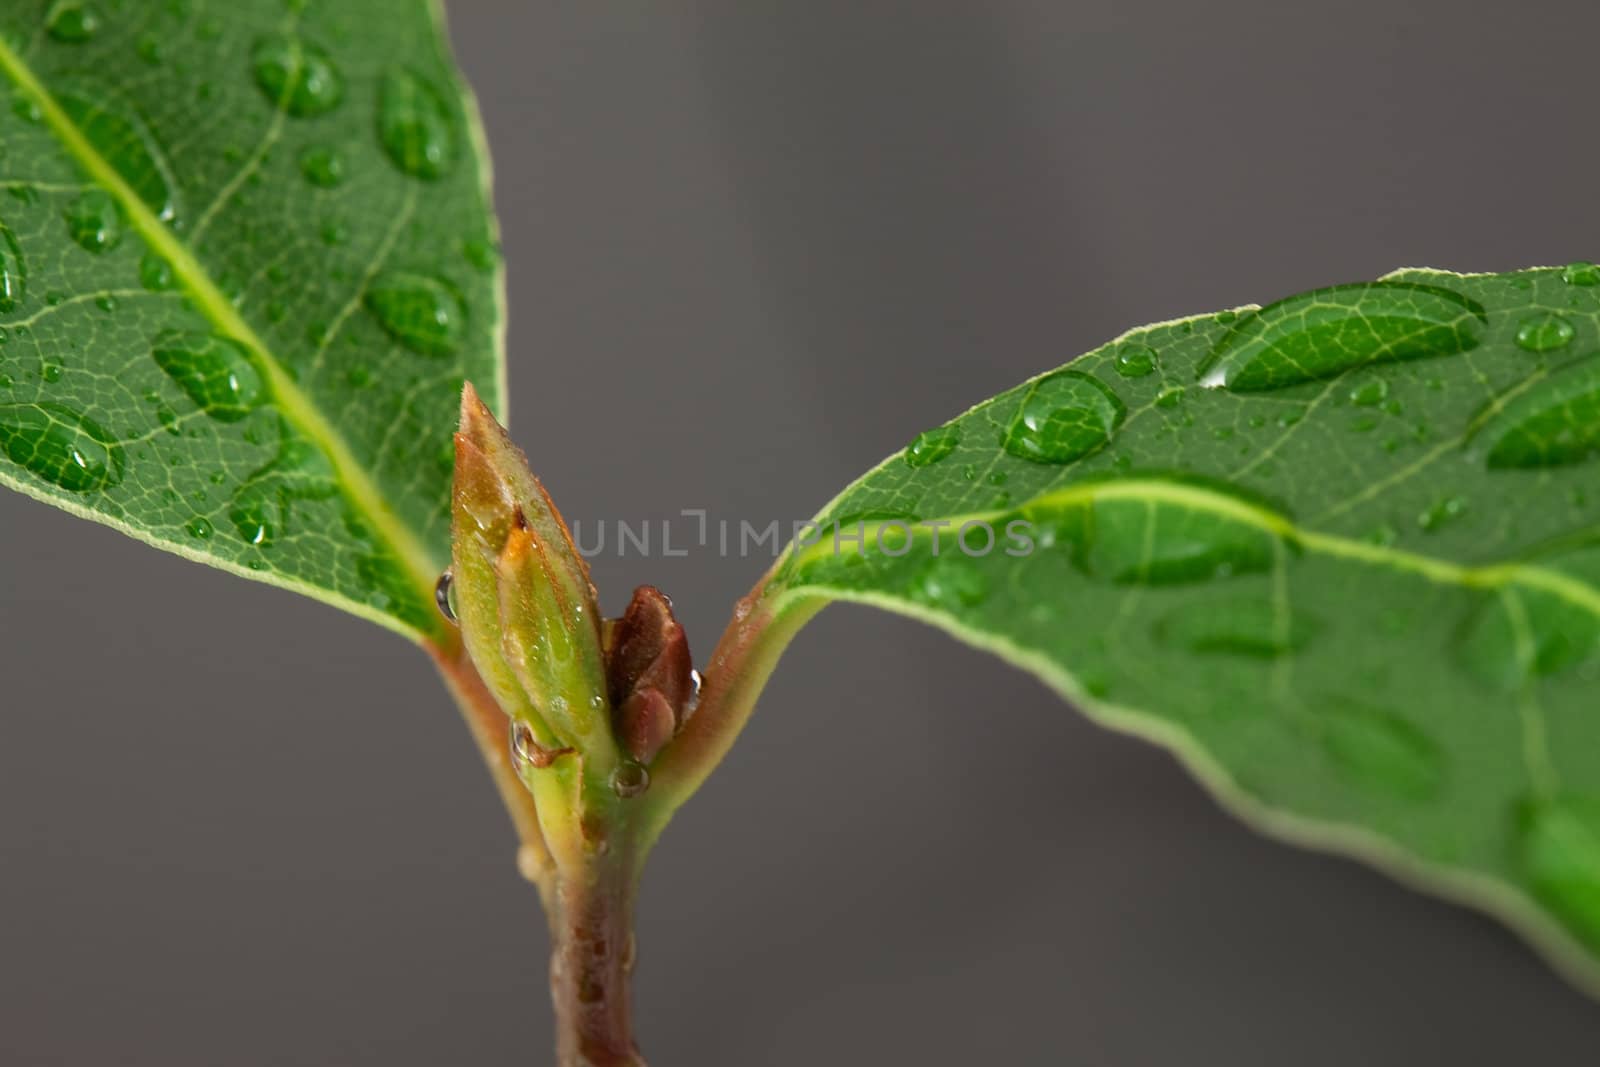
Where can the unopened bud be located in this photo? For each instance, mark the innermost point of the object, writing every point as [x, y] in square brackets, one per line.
[521, 592]
[649, 673]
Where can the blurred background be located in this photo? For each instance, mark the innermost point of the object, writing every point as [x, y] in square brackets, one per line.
[752, 249]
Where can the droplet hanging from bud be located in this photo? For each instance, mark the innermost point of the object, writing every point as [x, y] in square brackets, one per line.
[629, 780]
[444, 595]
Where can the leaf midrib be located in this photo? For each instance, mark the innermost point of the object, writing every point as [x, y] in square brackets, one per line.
[293, 403]
[1198, 498]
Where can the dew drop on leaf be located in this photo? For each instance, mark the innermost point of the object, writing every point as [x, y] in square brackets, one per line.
[323, 167]
[1555, 423]
[1380, 749]
[1063, 416]
[951, 580]
[415, 126]
[422, 313]
[130, 148]
[256, 512]
[1150, 541]
[155, 273]
[1559, 852]
[297, 76]
[1520, 635]
[72, 22]
[13, 271]
[1370, 394]
[94, 221]
[200, 528]
[216, 372]
[930, 446]
[1237, 626]
[1135, 360]
[1544, 333]
[1442, 511]
[1581, 273]
[1328, 331]
[60, 446]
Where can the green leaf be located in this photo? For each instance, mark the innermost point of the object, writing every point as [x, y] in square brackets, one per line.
[246, 262]
[1341, 554]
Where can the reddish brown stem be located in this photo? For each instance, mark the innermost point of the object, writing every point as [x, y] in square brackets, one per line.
[591, 968]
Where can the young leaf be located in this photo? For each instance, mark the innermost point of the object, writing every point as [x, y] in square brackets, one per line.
[246, 262]
[1341, 554]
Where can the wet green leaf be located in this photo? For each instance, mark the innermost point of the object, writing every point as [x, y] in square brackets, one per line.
[1341, 554]
[245, 265]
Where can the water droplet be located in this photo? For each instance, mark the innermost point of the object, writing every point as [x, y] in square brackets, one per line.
[1135, 361]
[60, 446]
[13, 271]
[94, 221]
[422, 313]
[216, 372]
[951, 580]
[256, 512]
[1441, 512]
[26, 108]
[50, 373]
[155, 273]
[930, 446]
[106, 302]
[1237, 626]
[1555, 423]
[482, 253]
[629, 779]
[1544, 333]
[1379, 749]
[416, 126]
[1170, 397]
[444, 595]
[1328, 331]
[1522, 634]
[1064, 416]
[323, 167]
[200, 528]
[123, 141]
[1370, 394]
[1153, 541]
[72, 22]
[1581, 273]
[1559, 852]
[297, 76]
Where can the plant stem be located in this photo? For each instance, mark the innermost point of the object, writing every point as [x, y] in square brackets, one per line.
[591, 966]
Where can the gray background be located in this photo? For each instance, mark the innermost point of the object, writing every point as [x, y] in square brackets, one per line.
[765, 244]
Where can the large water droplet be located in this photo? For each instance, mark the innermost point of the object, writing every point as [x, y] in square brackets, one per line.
[1328, 331]
[155, 273]
[60, 446]
[297, 76]
[72, 22]
[217, 372]
[1524, 633]
[951, 581]
[1063, 416]
[1544, 333]
[416, 126]
[422, 313]
[1556, 422]
[1559, 852]
[930, 446]
[1156, 541]
[1238, 626]
[1380, 749]
[13, 271]
[130, 148]
[94, 220]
